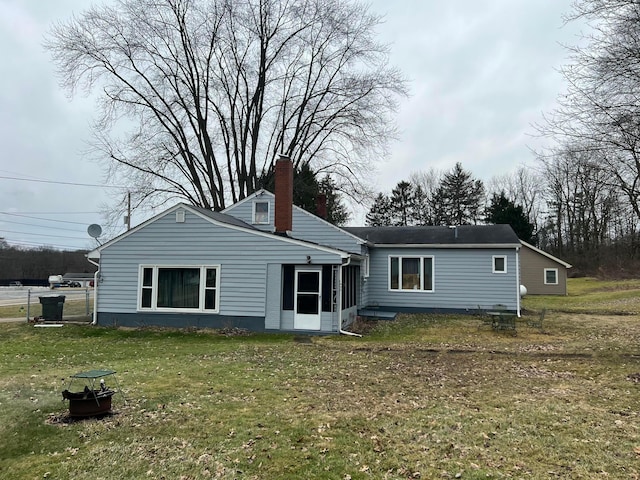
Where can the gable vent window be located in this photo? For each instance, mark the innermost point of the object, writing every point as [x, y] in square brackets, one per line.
[261, 213]
[180, 216]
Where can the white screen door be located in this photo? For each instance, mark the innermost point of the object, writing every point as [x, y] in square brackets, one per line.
[308, 299]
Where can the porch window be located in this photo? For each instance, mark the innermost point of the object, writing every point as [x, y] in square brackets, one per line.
[351, 276]
[551, 276]
[193, 288]
[260, 213]
[499, 264]
[411, 273]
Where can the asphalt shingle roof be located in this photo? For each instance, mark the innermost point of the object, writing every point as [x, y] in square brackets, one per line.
[223, 217]
[430, 235]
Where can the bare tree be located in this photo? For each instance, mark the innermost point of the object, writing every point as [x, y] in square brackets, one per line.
[601, 109]
[524, 187]
[583, 207]
[212, 90]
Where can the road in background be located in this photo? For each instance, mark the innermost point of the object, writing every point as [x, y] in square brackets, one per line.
[19, 295]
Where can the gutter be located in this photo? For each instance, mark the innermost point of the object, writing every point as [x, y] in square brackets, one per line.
[340, 283]
[96, 275]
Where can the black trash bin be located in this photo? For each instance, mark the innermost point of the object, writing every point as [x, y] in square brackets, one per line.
[52, 306]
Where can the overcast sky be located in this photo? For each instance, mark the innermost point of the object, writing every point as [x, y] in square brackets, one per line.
[480, 73]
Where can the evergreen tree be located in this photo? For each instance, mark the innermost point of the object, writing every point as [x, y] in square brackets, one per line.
[337, 212]
[422, 207]
[380, 213]
[402, 204]
[306, 190]
[502, 210]
[458, 198]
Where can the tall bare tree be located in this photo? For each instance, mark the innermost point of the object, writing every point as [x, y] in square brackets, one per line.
[600, 111]
[524, 187]
[211, 91]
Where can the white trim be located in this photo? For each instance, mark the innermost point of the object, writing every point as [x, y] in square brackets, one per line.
[555, 270]
[304, 318]
[493, 264]
[422, 273]
[96, 253]
[548, 255]
[261, 192]
[365, 265]
[253, 212]
[154, 289]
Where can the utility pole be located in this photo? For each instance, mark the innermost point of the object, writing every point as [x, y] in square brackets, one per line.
[127, 218]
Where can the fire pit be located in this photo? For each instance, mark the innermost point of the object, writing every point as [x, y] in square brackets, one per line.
[91, 401]
[88, 402]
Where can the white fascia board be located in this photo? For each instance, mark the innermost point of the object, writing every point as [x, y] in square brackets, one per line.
[258, 193]
[548, 255]
[272, 236]
[96, 253]
[221, 224]
[262, 192]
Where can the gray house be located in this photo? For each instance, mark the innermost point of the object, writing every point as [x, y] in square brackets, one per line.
[267, 265]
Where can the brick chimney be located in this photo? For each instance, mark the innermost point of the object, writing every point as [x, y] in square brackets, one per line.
[321, 205]
[284, 195]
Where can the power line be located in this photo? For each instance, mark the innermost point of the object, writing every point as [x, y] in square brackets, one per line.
[40, 226]
[58, 212]
[42, 235]
[75, 184]
[45, 219]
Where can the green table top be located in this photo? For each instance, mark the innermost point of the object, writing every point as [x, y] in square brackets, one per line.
[93, 374]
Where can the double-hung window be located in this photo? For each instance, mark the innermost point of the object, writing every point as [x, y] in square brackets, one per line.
[411, 273]
[260, 212]
[179, 288]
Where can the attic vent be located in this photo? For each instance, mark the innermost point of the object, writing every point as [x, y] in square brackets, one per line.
[179, 216]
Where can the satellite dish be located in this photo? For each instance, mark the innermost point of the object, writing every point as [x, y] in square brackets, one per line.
[94, 230]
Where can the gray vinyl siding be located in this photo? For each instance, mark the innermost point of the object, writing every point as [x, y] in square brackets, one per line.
[463, 280]
[306, 226]
[243, 258]
[274, 296]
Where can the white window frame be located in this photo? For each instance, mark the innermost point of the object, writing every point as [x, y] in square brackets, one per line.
[202, 288]
[493, 263]
[422, 259]
[254, 220]
[555, 270]
[365, 266]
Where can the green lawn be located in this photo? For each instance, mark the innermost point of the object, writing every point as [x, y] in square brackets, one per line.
[422, 397]
[590, 295]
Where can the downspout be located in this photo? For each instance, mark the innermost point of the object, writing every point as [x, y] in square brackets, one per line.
[94, 321]
[340, 330]
[518, 280]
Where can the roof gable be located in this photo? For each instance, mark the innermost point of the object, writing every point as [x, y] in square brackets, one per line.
[548, 255]
[218, 218]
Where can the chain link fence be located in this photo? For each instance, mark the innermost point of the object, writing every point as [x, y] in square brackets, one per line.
[59, 305]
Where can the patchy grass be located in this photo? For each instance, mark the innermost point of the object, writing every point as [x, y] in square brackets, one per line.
[72, 308]
[590, 295]
[422, 397]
